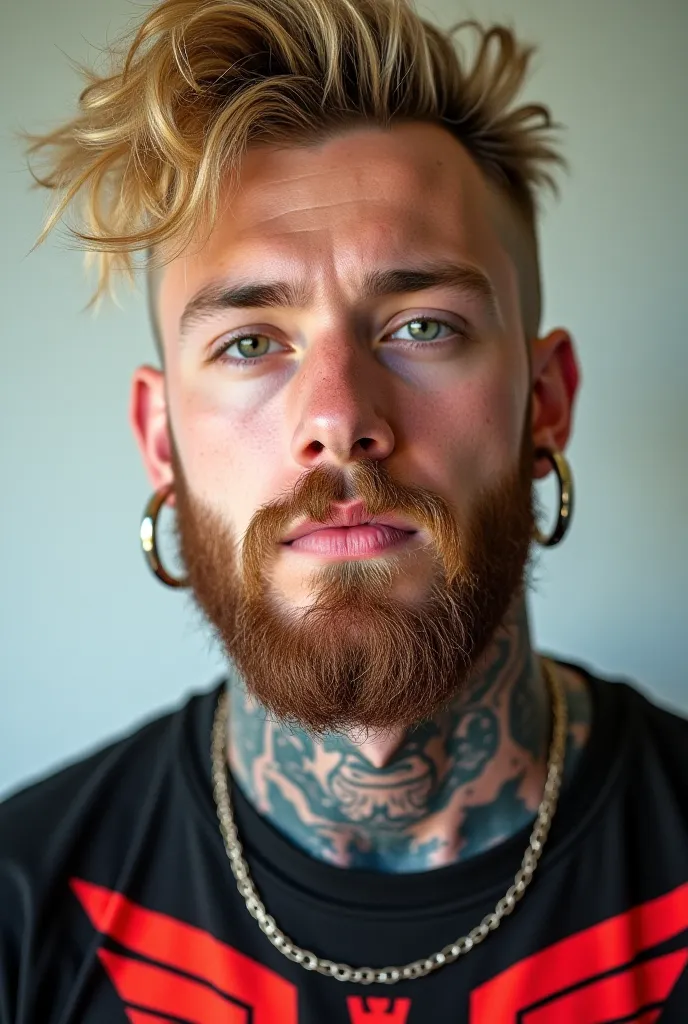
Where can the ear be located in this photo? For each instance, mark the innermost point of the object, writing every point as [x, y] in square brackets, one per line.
[556, 377]
[149, 422]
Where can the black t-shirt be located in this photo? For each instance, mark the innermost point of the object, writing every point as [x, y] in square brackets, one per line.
[117, 903]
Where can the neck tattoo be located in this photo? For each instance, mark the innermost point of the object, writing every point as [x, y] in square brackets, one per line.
[463, 945]
[446, 791]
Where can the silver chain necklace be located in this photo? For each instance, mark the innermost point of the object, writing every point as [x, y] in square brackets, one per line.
[419, 968]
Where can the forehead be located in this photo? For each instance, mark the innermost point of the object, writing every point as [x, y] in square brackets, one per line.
[328, 212]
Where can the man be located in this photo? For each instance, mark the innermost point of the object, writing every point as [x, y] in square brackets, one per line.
[420, 818]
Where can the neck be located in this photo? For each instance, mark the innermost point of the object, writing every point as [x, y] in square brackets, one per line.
[438, 793]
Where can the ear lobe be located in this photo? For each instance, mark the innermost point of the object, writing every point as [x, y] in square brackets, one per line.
[556, 378]
[149, 422]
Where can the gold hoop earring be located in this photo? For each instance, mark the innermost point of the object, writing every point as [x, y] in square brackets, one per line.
[148, 540]
[562, 468]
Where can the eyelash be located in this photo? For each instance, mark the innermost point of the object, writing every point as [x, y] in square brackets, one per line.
[221, 353]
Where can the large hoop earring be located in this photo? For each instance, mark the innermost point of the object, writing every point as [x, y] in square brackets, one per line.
[562, 468]
[148, 540]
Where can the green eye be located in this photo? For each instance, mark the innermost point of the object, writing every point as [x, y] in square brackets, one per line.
[252, 345]
[424, 330]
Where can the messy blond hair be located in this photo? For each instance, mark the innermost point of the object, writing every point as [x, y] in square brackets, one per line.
[158, 135]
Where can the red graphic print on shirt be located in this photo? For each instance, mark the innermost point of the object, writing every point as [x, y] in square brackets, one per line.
[602, 975]
[219, 984]
[378, 1010]
[590, 977]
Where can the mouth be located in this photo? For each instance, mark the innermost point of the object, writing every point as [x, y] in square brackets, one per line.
[351, 541]
[350, 532]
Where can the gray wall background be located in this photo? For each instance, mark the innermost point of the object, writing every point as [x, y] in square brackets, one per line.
[90, 643]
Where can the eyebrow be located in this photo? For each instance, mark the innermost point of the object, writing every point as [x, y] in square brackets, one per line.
[217, 297]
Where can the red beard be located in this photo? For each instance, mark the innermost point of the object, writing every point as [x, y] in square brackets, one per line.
[357, 658]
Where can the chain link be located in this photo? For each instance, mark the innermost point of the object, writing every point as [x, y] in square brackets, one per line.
[418, 968]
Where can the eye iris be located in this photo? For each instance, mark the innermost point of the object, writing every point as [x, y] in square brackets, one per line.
[253, 345]
[424, 330]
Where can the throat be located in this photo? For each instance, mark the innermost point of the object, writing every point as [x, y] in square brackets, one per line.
[378, 749]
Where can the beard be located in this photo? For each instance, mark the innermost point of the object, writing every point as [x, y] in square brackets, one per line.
[357, 658]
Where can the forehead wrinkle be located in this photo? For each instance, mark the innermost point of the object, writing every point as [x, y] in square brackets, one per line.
[385, 189]
[377, 203]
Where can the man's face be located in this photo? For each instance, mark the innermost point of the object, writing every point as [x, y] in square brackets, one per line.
[355, 382]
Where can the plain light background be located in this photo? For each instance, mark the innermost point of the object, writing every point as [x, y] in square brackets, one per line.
[90, 643]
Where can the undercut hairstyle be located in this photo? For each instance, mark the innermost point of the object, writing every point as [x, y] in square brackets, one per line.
[163, 130]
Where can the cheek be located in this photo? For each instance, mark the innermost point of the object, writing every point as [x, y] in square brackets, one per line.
[468, 434]
[230, 451]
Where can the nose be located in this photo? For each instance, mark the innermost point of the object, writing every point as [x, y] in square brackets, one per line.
[341, 395]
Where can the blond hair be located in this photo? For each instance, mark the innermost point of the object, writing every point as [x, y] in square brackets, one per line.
[156, 138]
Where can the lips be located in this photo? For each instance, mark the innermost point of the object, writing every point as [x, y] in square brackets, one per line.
[349, 516]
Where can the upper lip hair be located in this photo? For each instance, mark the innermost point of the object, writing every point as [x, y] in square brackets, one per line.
[349, 515]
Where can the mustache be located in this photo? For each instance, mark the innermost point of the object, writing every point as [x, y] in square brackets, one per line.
[367, 480]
